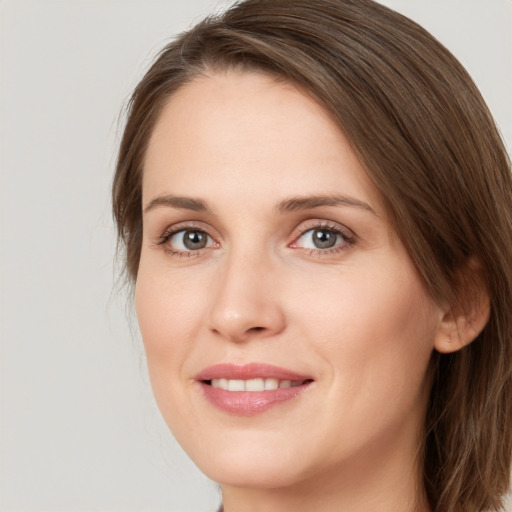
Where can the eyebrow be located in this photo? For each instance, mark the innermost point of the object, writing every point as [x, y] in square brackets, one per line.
[184, 203]
[316, 201]
[291, 204]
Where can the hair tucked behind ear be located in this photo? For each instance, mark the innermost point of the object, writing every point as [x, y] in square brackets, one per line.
[430, 146]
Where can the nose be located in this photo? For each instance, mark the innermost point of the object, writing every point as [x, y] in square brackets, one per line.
[245, 301]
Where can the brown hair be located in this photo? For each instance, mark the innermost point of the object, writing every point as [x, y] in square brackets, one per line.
[430, 146]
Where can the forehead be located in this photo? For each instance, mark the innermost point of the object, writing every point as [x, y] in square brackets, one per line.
[246, 130]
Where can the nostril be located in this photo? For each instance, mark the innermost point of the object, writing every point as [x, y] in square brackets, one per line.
[257, 329]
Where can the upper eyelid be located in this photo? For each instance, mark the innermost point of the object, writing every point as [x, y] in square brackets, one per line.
[189, 226]
[348, 237]
[300, 228]
[325, 224]
[207, 228]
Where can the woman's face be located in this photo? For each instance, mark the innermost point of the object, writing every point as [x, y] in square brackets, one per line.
[268, 261]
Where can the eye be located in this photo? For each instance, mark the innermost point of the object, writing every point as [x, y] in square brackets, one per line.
[320, 239]
[187, 240]
[323, 239]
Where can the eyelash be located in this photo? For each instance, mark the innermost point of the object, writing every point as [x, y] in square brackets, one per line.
[349, 239]
[164, 239]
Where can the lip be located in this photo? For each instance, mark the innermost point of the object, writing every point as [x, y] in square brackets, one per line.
[249, 403]
[248, 371]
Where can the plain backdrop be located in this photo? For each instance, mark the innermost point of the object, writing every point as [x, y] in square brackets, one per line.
[79, 429]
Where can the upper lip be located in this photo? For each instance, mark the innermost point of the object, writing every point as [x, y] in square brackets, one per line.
[249, 371]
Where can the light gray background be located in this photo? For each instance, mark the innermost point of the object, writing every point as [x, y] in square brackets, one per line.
[79, 430]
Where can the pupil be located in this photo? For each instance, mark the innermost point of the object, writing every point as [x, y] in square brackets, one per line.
[324, 239]
[194, 240]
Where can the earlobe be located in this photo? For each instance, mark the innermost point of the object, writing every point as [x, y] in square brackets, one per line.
[464, 321]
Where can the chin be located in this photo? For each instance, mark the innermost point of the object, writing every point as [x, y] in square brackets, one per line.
[246, 473]
[251, 464]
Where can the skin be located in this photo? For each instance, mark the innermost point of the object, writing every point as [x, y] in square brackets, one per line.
[355, 317]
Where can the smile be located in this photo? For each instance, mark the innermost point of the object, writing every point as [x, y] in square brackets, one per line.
[250, 389]
[254, 384]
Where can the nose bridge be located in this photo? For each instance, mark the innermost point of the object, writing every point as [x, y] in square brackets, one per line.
[244, 303]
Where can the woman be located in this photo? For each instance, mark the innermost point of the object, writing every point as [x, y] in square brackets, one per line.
[316, 208]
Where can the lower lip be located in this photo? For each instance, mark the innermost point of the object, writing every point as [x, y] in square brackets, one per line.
[249, 403]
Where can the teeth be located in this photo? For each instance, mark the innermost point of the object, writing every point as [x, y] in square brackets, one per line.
[253, 384]
[271, 384]
[236, 385]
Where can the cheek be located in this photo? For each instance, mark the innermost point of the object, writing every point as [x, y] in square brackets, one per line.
[398, 335]
[167, 311]
[376, 329]
[381, 305]
[376, 333]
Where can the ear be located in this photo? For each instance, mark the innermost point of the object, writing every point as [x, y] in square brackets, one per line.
[464, 319]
